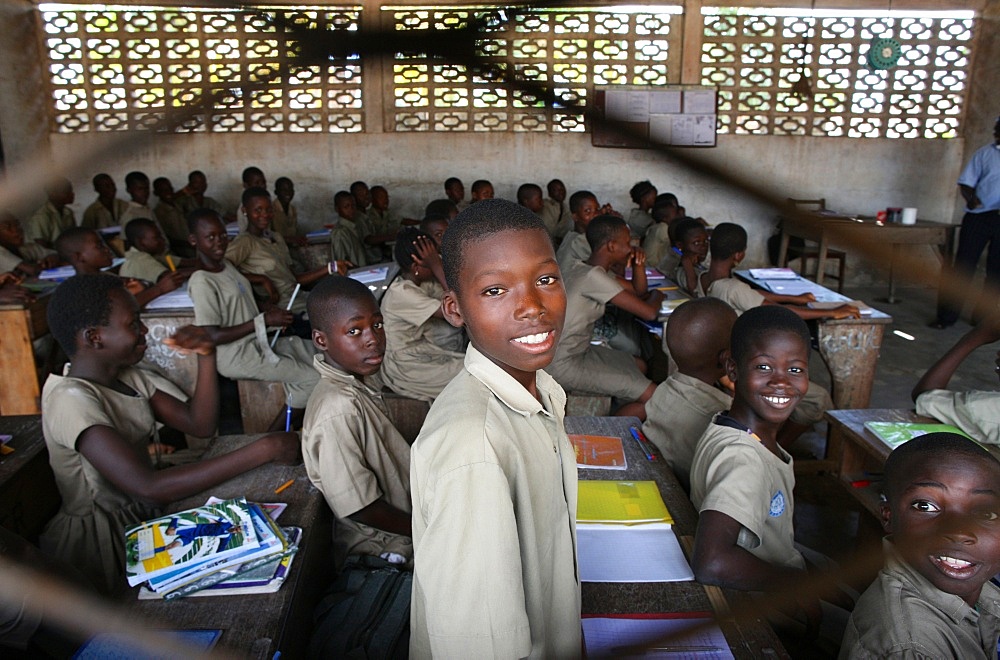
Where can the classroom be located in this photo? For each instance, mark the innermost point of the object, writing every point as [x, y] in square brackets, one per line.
[829, 124]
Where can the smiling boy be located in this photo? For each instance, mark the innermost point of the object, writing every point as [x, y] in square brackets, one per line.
[933, 598]
[353, 453]
[492, 474]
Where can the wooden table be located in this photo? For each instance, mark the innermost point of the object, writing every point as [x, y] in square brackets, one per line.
[849, 348]
[822, 228]
[259, 625]
[20, 393]
[28, 493]
[752, 638]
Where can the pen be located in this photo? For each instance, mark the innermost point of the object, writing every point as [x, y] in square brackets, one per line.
[289, 308]
[170, 262]
[284, 486]
[642, 445]
[288, 413]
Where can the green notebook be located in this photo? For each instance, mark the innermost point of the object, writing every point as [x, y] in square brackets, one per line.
[896, 433]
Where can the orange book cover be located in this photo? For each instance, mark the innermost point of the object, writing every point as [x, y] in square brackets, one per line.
[599, 451]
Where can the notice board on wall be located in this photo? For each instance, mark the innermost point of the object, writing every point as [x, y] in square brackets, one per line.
[642, 116]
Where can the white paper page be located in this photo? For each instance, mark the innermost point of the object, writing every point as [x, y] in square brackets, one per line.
[682, 130]
[176, 299]
[369, 275]
[638, 106]
[699, 102]
[616, 105]
[704, 130]
[611, 637]
[800, 286]
[664, 103]
[630, 553]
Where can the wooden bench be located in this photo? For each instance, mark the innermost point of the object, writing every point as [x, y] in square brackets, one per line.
[260, 403]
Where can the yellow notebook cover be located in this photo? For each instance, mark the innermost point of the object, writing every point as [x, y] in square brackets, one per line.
[623, 502]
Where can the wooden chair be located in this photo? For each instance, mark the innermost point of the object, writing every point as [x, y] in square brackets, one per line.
[811, 251]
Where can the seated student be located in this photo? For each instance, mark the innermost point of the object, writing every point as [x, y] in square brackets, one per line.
[261, 254]
[481, 189]
[691, 239]
[933, 598]
[658, 240]
[556, 212]
[454, 190]
[416, 364]
[345, 241]
[147, 256]
[11, 291]
[741, 478]
[286, 215]
[253, 177]
[107, 209]
[492, 474]
[88, 254]
[580, 366]
[55, 216]
[225, 307]
[574, 247]
[137, 187]
[443, 207]
[529, 195]
[379, 226]
[975, 412]
[192, 196]
[16, 256]
[434, 225]
[644, 195]
[362, 200]
[353, 453]
[99, 418]
[169, 215]
[684, 404]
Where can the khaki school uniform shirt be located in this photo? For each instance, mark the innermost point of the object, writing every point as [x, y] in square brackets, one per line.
[573, 248]
[375, 223]
[656, 243]
[225, 299]
[677, 415]
[171, 219]
[48, 222]
[345, 243]
[268, 255]
[285, 222]
[493, 480]
[556, 217]
[134, 211]
[187, 203]
[733, 473]
[98, 216]
[142, 265]
[903, 615]
[639, 222]
[30, 252]
[354, 456]
[738, 295]
[976, 412]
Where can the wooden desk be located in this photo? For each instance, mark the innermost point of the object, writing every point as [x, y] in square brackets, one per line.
[28, 493]
[257, 626]
[747, 639]
[20, 393]
[849, 348]
[822, 229]
[313, 255]
[179, 367]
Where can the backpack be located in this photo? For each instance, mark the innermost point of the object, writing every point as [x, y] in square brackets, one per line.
[365, 613]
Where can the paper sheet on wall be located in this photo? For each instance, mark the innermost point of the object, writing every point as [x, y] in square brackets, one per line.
[613, 637]
[630, 553]
[616, 105]
[664, 103]
[699, 102]
[693, 130]
[638, 107]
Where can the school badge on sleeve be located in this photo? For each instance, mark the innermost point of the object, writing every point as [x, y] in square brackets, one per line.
[777, 505]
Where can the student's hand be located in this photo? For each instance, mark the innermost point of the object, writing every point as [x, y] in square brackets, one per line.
[427, 254]
[974, 202]
[341, 266]
[48, 261]
[134, 286]
[272, 291]
[608, 210]
[9, 278]
[170, 281]
[13, 293]
[845, 312]
[690, 259]
[276, 317]
[638, 257]
[159, 449]
[192, 338]
[285, 448]
[804, 299]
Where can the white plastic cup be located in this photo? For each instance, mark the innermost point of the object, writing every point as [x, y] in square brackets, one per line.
[909, 216]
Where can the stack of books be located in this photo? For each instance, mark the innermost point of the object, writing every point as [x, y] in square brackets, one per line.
[211, 549]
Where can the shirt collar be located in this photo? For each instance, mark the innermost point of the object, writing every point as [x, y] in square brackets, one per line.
[950, 604]
[512, 393]
[327, 370]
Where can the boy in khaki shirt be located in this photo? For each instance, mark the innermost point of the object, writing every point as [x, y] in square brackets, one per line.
[492, 474]
[352, 452]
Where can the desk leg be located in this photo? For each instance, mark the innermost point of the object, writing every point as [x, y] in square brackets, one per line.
[850, 351]
[821, 258]
[783, 251]
[19, 393]
[892, 299]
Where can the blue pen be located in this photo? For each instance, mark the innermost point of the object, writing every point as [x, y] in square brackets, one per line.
[639, 438]
[288, 414]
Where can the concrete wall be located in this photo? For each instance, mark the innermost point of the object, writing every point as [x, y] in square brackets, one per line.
[855, 175]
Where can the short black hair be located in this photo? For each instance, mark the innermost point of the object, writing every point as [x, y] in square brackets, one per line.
[666, 198]
[136, 227]
[100, 177]
[576, 199]
[135, 177]
[57, 185]
[727, 239]
[404, 249]
[759, 322]
[602, 229]
[357, 184]
[82, 301]
[281, 180]
[481, 222]
[343, 194]
[681, 227]
[193, 173]
[639, 190]
[526, 190]
[197, 215]
[430, 219]
[479, 184]
[927, 448]
[329, 297]
[250, 171]
[442, 207]
[253, 193]
[374, 188]
[450, 181]
[552, 184]
[70, 240]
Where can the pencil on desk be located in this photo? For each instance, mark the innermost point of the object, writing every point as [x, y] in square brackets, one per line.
[170, 263]
[284, 486]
